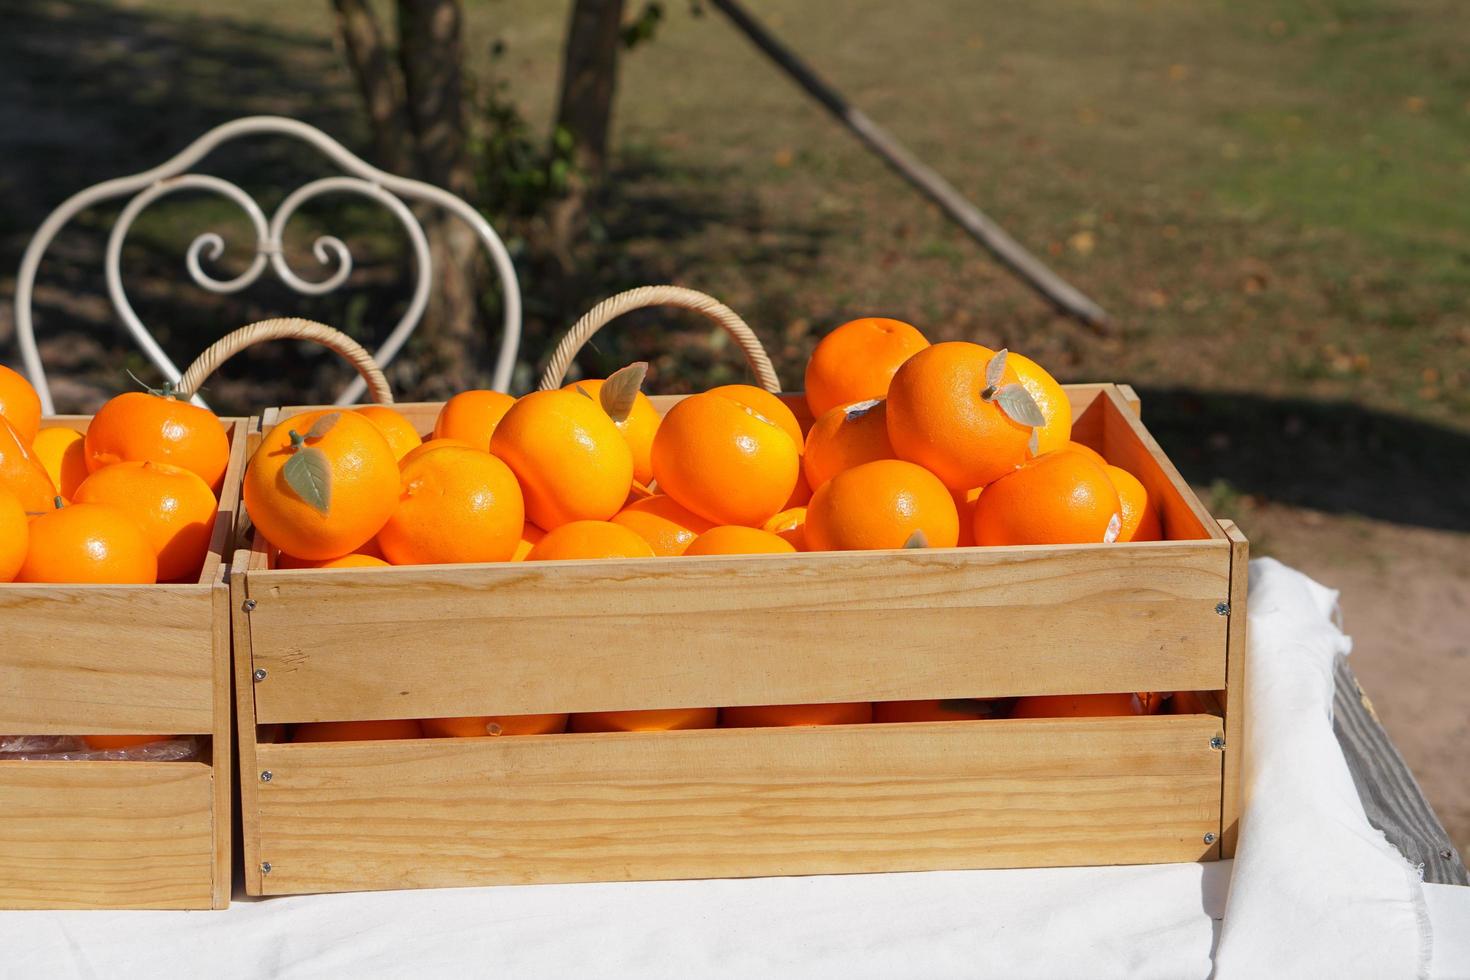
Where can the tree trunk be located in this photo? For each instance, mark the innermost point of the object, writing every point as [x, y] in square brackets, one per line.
[378, 82]
[430, 52]
[584, 110]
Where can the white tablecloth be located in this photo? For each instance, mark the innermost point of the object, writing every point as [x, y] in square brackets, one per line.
[1314, 891]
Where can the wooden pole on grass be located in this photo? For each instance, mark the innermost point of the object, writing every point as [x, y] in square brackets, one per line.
[1010, 253]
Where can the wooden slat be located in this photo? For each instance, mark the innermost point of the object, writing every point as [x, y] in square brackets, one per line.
[736, 803]
[1391, 797]
[1128, 444]
[221, 756]
[730, 630]
[1234, 695]
[77, 835]
[245, 717]
[98, 659]
[117, 659]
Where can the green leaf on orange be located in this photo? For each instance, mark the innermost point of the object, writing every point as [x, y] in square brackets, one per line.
[323, 425]
[620, 390]
[995, 370]
[1017, 403]
[309, 474]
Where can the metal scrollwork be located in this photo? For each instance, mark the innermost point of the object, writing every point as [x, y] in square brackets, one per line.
[331, 252]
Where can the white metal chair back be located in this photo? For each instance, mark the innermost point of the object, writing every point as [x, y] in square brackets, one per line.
[172, 176]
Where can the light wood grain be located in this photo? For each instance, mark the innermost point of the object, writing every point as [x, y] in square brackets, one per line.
[731, 630]
[1131, 399]
[221, 755]
[249, 770]
[737, 803]
[1234, 694]
[76, 835]
[117, 659]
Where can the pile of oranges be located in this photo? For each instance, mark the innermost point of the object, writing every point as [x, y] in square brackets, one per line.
[911, 444]
[130, 501]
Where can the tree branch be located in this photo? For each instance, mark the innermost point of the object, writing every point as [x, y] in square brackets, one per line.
[378, 82]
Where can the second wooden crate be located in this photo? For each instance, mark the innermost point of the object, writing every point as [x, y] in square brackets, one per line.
[517, 638]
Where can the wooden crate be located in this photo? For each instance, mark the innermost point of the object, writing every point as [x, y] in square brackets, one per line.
[511, 638]
[120, 660]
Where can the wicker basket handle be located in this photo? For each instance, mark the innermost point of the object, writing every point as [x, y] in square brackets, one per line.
[286, 328]
[636, 299]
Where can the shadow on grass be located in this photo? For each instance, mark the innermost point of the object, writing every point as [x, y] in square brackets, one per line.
[1336, 457]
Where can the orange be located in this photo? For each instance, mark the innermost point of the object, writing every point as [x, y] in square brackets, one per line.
[731, 539]
[801, 494]
[881, 505]
[21, 472]
[174, 508]
[19, 404]
[88, 543]
[402, 437]
[789, 526]
[531, 535]
[1077, 706]
[964, 504]
[590, 539]
[638, 426]
[653, 720]
[571, 459]
[844, 437]
[958, 709]
[428, 446]
[791, 715]
[944, 414]
[1048, 395]
[763, 402]
[15, 535]
[63, 454]
[724, 460]
[457, 506]
[1187, 703]
[472, 416]
[1140, 519]
[140, 426]
[105, 742]
[1088, 451]
[487, 725]
[356, 731]
[667, 526]
[355, 560]
[857, 361]
[1059, 498]
[363, 485]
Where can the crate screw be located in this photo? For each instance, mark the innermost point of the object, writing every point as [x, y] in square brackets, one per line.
[1446, 853]
[265, 867]
[1209, 838]
[1222, 609]
[1217, 742]
[249, 605]
[259, 674]
[266, 776]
